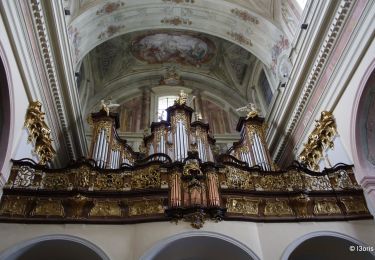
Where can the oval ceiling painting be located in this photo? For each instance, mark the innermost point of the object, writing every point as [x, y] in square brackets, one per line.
[185, 49]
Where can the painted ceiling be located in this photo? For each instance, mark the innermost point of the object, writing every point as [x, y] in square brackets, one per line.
[140, 59]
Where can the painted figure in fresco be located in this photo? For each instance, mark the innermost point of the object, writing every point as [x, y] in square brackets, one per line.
[180, 48]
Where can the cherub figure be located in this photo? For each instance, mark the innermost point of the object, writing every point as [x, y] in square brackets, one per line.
[107, 106]
[251, 109]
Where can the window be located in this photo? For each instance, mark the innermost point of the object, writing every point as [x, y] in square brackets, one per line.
[163, 103]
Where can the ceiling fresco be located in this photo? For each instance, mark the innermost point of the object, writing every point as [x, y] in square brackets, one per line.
[181, 48]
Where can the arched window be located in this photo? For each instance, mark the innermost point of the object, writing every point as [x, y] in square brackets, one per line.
[163, 103]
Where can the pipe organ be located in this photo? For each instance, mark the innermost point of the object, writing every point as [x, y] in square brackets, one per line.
[107, 149]
[252, 148]
[176, 176]
[177, 136]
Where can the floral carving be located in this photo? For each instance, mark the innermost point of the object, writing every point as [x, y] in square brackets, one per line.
[176, 21]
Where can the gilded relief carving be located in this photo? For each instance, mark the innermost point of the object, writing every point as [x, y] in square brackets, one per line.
[341, 180]
[56, 181]
[105, 208]
[82, 177]
[238, 179]
[326, 207]
[24, 178]
[146, 207]
[243, 206]
[14, 206]
[50, 207]
[111, 181]
[277, 208]
[317, 182]
[354, 205]
[270, 182]
[146, 178]
[320, 139]
[78, 202]
[300, 204]
[39, 132]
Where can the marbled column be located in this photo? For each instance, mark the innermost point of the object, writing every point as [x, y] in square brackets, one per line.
[146, 101]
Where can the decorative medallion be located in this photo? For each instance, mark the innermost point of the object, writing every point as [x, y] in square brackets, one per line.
[181, 48]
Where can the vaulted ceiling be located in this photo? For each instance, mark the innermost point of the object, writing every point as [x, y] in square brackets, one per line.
[220, 48]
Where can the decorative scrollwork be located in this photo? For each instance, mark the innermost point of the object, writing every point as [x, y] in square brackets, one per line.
[317, 182]
[237, 179]
[196, 219]
[39, 132]
[56, 181]
[110, 181]
[319, 139]
[24, 178]
[146, 178]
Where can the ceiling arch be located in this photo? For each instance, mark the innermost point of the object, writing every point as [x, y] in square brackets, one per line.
[231, 21]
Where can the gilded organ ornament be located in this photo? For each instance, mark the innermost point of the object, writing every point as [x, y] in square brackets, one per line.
[320, 138]
[39, 132]
[178, 178]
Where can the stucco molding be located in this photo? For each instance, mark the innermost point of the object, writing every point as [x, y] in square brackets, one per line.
[319, 64]
[50, 70]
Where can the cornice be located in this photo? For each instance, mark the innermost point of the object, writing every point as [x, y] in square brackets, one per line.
[320, 63]
[50, 70]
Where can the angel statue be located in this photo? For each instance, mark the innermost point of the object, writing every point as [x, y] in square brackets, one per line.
[108, 106]
[251, 110]
[182, 98]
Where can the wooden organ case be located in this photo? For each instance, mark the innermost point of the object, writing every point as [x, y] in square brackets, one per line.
[175, 176]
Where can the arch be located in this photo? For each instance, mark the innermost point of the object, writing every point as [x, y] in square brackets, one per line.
[299, 241]
[364, 169]
[7, 111]
[14, 251]
[163, 244]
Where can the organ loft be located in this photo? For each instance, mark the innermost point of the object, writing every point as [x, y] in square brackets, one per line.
[176, 175]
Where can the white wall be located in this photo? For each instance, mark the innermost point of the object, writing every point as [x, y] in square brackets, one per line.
[19, 106]
[267, 240]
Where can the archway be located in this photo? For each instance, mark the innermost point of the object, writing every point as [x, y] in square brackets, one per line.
[199, 245]
[6, 113]
[363, 135]
[57, 247]
[326, 245]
